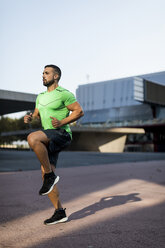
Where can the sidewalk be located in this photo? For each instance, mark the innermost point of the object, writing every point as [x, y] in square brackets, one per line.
[109, 206]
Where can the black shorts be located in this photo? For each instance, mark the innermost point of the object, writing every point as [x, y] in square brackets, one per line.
[59, 140]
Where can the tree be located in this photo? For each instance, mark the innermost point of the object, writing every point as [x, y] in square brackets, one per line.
[8, 124]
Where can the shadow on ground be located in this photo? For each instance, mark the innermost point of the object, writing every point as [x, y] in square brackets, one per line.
[105, 202]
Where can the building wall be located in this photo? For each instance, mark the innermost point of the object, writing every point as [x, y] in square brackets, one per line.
[112, 93]
[108, 94]
[113, 100]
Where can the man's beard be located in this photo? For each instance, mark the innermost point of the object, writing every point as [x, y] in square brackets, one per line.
[48, 83]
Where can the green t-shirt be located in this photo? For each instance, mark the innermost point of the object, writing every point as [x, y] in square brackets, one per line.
[54, 104]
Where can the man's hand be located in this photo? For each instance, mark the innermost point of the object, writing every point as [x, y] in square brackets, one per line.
[55, 122]
[28, 118]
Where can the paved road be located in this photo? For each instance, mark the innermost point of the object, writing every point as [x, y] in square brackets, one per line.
[119, 205]
[26, 160]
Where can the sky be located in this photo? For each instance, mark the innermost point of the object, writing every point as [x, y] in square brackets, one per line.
[90, 40]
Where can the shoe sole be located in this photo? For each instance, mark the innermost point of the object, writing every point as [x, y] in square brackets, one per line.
[56, 222]
[56, 181]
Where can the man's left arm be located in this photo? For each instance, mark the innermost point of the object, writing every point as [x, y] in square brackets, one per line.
[77, 112]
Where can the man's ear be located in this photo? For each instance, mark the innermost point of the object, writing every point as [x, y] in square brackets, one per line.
[56, 76]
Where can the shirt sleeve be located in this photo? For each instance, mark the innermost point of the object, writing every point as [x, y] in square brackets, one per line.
[68, 98]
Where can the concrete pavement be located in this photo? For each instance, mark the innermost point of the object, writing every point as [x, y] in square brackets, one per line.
[12, 160]
[119, 205]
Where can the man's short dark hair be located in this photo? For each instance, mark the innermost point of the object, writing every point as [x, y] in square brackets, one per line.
[57, 70]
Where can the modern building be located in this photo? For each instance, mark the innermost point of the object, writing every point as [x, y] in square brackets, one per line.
[137, 101]
[127, 99]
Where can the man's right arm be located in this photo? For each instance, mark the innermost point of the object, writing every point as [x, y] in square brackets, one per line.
[30, 117]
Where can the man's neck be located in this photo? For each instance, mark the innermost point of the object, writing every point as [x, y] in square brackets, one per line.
[52, 87]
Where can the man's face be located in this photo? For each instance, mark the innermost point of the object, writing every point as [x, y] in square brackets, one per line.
[49, 76]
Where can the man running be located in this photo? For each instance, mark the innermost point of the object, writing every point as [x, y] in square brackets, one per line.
[53, 109]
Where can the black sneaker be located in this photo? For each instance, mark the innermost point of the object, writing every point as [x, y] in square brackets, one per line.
[59, 216]
[50, 180]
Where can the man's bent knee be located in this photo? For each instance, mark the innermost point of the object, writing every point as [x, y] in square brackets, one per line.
[35, 137]
[31, 140]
